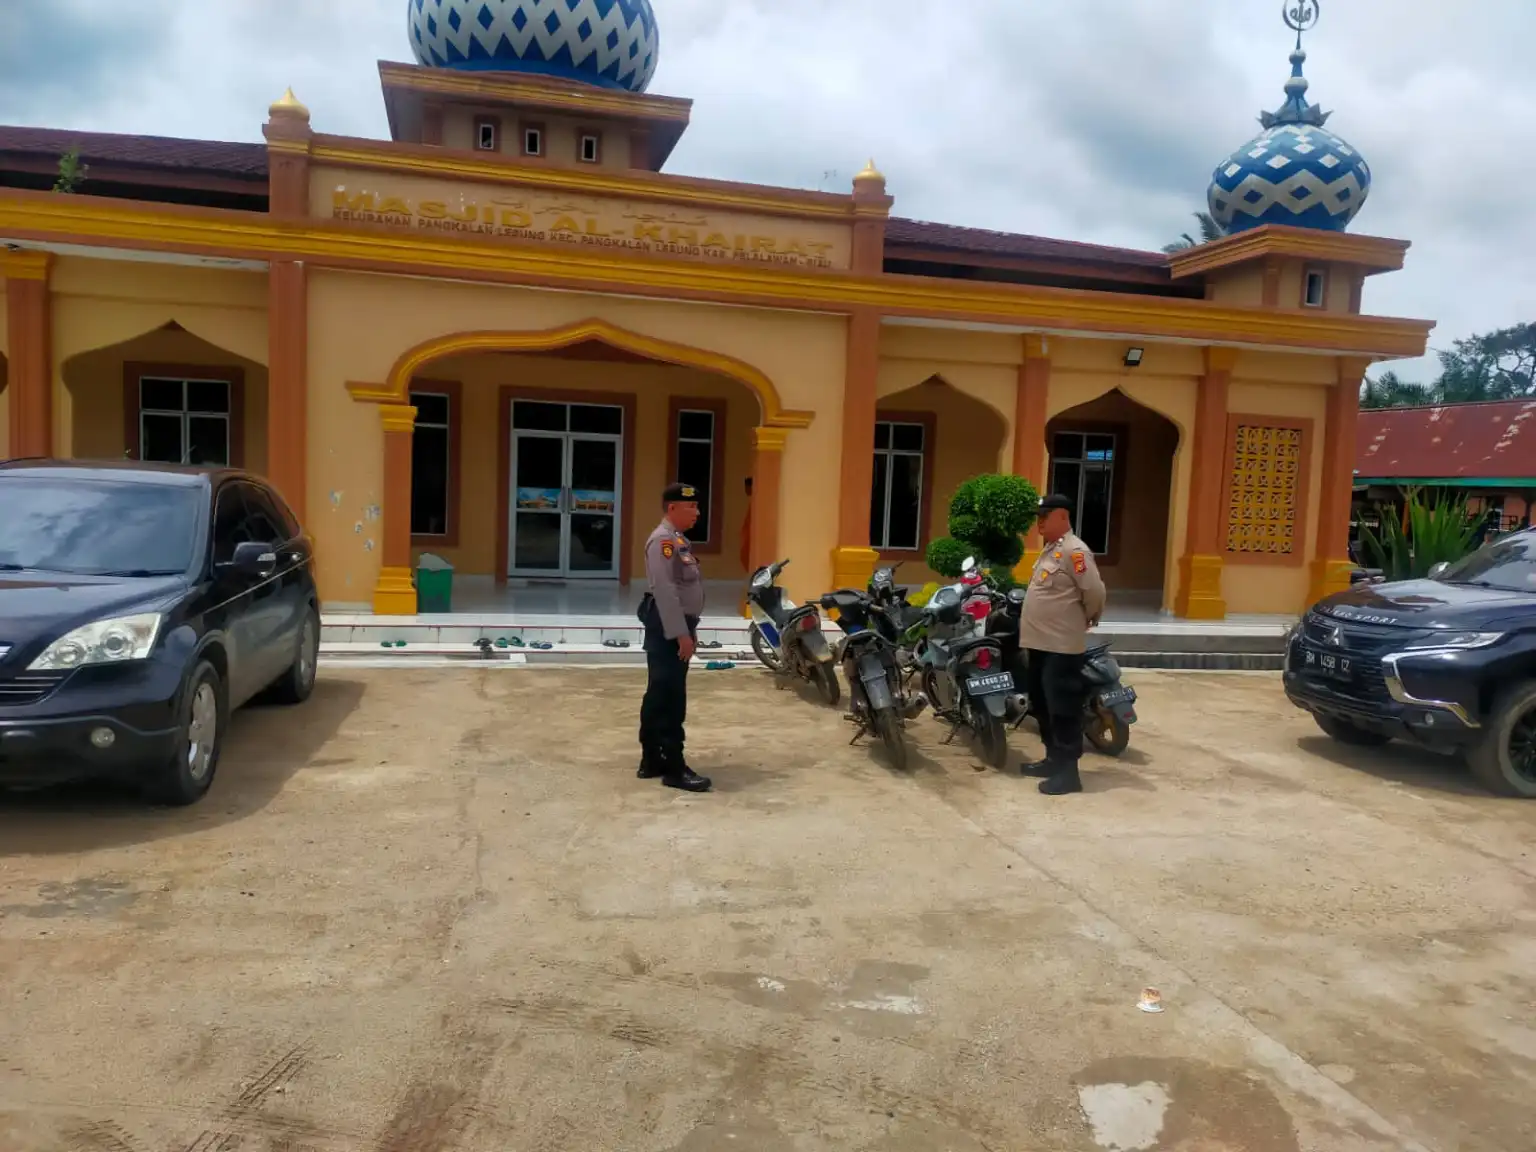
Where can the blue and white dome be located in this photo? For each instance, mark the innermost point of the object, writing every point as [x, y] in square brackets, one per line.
[610, 43]
[1296, 172]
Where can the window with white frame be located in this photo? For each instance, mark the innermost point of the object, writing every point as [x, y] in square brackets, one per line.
[1315, 288]
[696, 432]
[896, 496]
[431, 463]
[183, 421]
[1083, 470]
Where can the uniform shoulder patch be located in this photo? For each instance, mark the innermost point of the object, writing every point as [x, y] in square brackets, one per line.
[1079, 563]
[667, 549]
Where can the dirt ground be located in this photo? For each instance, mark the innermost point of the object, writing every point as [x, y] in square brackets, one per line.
[435, 910]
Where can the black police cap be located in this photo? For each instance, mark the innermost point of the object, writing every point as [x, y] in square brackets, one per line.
[1051, 503]
[679, 494]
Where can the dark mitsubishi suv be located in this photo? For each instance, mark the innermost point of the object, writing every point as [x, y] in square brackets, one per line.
[1448, 662]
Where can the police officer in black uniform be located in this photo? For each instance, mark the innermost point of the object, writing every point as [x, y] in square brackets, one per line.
[670, 612]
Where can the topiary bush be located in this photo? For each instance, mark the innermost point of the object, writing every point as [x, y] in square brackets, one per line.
[988, 518]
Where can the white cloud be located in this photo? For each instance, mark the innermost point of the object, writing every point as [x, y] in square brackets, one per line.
[1096, 120]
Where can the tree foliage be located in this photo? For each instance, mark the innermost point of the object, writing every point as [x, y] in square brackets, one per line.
[988, 518]
[1498, 365]
[72, 173]
[1209, 230]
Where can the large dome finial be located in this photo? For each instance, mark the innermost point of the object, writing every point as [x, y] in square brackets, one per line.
[1297, 172]
[1302, 17]
[609, 43]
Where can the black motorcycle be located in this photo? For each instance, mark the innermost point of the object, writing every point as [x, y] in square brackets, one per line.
[869, 655]
[787, 636]
[1110, 707]
[962, 672]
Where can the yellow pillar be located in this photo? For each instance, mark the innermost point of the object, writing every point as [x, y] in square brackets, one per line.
[1331, 564]
[1200, 596]
[1030, 459]
[395, 592]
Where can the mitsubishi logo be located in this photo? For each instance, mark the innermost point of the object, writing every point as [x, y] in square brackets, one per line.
[1336, 637]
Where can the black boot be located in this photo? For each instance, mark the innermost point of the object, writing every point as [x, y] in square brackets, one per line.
[651, 765]
[679, 775]
[687, 779]
[1062, 783]
[1037, 768]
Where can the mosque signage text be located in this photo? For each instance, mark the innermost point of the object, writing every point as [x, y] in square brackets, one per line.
[624, 225]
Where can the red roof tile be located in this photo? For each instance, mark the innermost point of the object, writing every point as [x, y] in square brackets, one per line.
[164, 152]
[982, 241]
[1487, 441]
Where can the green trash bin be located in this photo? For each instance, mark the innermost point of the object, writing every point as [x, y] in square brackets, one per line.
[434, 584]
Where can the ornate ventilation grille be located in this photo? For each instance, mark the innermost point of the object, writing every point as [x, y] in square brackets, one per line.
[1266, 490]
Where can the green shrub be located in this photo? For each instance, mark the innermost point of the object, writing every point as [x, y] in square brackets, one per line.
[988, 517]
[1439, 531]
[946, 554]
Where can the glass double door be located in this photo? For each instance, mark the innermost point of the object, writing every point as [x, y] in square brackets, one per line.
[566, 500]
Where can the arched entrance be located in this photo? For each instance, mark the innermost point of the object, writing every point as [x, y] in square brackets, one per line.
[929, 439]
[169, 396]
[537, 459]
[1114, 458]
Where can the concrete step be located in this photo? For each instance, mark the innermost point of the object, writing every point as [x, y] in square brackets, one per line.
[1202, 661]
[375, 654]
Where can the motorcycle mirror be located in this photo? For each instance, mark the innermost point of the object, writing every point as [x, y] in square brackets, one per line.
[968, 564]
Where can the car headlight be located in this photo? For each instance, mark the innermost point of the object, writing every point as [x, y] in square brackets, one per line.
[1459, 641]
[114, 641]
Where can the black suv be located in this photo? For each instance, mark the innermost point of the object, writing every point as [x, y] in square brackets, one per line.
[1448, 662]
[139, 605]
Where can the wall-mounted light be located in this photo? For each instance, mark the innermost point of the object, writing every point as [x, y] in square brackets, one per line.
[1133, 357]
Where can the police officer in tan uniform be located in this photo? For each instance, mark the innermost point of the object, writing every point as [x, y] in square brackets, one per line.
[670, 612]
[1065, 599]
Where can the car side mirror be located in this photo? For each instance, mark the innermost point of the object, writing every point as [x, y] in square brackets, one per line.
[252, 558]
[1437, 570]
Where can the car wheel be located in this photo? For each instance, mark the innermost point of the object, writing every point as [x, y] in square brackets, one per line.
[297, 684]
[1504, 759]
[185, 778]
[1346, 733]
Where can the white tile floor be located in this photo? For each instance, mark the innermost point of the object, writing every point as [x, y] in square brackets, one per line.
[589, 605]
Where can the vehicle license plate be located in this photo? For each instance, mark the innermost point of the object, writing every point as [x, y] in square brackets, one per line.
[1117, 696]
[990, 685]
[1329, 665]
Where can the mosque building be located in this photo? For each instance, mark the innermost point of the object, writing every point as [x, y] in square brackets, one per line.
[496, 335]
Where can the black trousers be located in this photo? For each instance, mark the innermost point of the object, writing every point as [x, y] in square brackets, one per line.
[664, 710]
[1057, 695]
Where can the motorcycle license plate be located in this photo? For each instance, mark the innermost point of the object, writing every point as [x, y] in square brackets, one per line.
[990, 685]
[1118, 696]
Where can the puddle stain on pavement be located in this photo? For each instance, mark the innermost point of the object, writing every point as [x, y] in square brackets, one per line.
[1135, 1104]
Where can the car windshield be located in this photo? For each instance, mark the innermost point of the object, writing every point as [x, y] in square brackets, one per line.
[96, 527]
[1509, 565]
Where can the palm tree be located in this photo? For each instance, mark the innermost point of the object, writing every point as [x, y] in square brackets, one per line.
[1209, 230]
[1391, 391]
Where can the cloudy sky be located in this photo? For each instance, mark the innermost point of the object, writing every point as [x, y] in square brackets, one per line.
[1095, 120]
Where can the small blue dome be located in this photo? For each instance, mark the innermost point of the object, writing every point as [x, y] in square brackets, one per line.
[1295, 172]
[609, 43]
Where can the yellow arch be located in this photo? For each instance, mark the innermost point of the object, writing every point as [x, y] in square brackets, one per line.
[398, 385]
